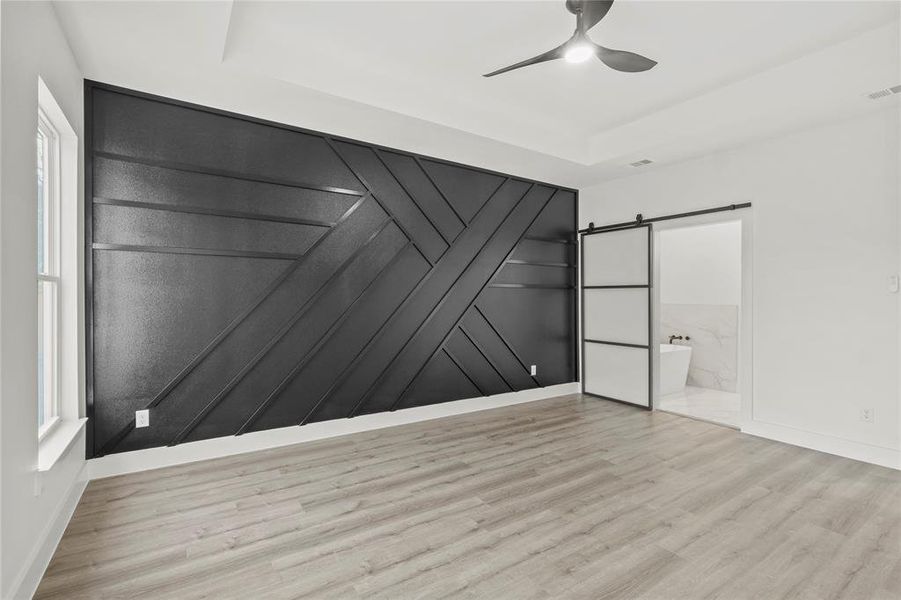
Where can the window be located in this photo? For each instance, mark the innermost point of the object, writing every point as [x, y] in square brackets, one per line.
[58, 324]
[48, 275]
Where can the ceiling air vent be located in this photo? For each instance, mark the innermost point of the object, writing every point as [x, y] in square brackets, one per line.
[884, 93]
[641, 163]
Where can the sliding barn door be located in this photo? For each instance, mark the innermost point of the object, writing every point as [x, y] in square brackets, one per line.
[616, 314]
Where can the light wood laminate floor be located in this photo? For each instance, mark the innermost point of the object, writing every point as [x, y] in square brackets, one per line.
[564, 498]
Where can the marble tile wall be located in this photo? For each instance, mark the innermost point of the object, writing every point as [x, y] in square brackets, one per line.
[713, 329]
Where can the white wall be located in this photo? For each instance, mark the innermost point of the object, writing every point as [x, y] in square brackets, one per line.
[195, 65]
[826, 240]
[701, 264]
[31, 45]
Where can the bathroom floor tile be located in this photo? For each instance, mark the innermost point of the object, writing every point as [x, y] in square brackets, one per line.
[705, 404]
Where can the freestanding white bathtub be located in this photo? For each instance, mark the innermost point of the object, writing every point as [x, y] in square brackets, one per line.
[673, 368]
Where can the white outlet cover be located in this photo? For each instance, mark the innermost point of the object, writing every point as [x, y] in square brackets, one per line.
[142, 418]
[534, 370]
[866, 415]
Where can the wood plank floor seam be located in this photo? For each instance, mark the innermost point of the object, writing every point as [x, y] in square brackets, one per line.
[570, 497]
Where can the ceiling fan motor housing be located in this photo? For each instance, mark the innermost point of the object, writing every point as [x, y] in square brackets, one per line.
[574, 6]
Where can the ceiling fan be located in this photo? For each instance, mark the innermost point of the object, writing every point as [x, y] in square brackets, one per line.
[579, 47]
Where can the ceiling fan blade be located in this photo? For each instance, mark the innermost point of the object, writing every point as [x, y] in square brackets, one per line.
[621, 60]
[549, 55]
[593, 11]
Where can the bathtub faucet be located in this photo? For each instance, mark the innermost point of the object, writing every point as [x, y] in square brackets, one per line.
[678, 337]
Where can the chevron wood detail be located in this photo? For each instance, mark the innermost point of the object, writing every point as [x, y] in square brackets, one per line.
[246, 275]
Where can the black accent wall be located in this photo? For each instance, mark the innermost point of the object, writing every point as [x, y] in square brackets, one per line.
[244, 275]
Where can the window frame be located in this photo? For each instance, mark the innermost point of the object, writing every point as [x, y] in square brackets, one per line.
[50, 277]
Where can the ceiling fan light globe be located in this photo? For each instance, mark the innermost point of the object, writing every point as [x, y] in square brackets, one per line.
[578, 53]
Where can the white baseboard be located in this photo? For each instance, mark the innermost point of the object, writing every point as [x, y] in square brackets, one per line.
[877, 455]
[30, 578]
[155, 458]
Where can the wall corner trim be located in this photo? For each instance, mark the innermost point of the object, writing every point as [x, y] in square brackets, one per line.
[167, 456]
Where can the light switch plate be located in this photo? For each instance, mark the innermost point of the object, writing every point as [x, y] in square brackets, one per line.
[534, 370]
[893, 284]
[142, 418]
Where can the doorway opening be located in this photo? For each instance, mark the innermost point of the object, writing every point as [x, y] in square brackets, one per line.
[698, 321]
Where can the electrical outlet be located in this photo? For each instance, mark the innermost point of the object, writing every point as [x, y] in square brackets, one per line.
[534, 370]
[142, 418]
[866, 415]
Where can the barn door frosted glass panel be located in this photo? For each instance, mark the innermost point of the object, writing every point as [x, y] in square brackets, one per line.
[616, 327]
[616, 258]
[617, 315]
[617, 372]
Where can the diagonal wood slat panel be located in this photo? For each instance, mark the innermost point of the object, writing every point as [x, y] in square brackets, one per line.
[340, 355]
[496, 346]
[414, 179]
[335, 327]
[316, 316]
[344, 276]
[471, 283]
[447, 314]
[465, 188]
[473, 362]
[352, 392]
[371, 171]
[374, 258]
[222, 362]
[224, 292]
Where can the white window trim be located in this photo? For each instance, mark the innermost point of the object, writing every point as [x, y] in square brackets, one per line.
[57, 437]
[48, 426]
[51, 274]
[52, 447]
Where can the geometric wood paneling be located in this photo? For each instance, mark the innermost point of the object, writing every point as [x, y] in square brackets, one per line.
[245, 275]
